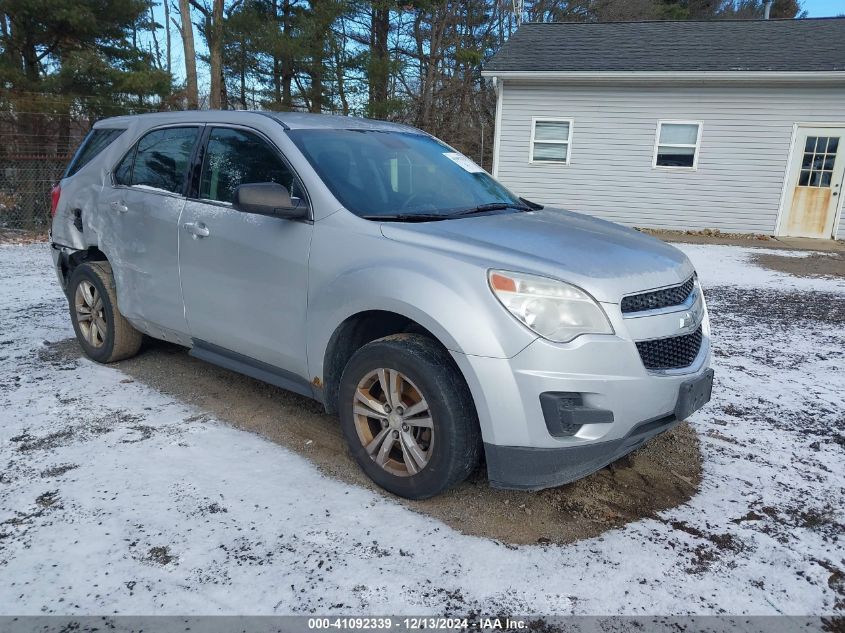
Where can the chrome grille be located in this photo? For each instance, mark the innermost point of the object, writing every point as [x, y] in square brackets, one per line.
[670, 353]
[656, 299]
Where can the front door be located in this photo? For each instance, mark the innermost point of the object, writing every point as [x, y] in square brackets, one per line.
[244, 276]
[814, 183]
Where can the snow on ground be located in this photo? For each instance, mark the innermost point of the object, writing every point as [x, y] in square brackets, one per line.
[719, 265]
[117, 499]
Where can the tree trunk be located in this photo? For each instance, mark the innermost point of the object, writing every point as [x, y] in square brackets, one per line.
[167, 41]
[224, 94]
[277, 80]
[32, 69]
[316, 75]
[285, 61]
[190, 54]
[243, 74]
[379, 59]
[341, 82]
[215, 50]
[438, 25]
[154, 36]
[287, 92]
[277, 66]
[324, 14]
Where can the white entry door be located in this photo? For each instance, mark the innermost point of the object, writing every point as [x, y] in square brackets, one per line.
[814, 182]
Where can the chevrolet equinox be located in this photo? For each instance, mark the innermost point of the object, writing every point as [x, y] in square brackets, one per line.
[375, 269]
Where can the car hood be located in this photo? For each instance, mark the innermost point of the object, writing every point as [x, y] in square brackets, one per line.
[605, 259]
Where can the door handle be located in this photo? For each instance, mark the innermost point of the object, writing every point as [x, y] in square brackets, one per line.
[197, 229]
[120, 207]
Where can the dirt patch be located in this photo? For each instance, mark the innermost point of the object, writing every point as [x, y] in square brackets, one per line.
[160, 555]
[27, 442]
[711, 236]
[17, 236]
[663, 474]
[704, 555]
[813, 265]
[760, 240]
[836, 582]
[80, 430]
[58, 471]
[48, 499]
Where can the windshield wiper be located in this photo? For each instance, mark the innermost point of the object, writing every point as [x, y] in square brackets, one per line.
[490, 206]
[534, 205]
[407, 217]
[433, 217]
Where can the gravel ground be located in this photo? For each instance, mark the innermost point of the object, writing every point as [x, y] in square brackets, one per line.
[134, 489]
[813, 265]
[714, 237]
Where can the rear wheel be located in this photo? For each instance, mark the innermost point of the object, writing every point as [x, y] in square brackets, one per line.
[102, 331]
[408, 416]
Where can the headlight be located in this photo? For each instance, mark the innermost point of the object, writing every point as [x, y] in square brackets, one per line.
[553, 309]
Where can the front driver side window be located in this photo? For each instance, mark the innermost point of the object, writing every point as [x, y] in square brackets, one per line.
[235, 157]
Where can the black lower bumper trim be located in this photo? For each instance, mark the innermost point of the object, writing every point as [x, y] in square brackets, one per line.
[527, 468]
[565, 413]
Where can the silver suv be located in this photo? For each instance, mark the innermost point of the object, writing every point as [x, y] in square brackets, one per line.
[375, 269]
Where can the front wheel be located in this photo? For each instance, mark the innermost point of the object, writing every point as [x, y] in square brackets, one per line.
[408, 417]
[103, 332]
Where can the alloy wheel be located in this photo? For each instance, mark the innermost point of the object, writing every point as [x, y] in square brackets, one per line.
[90, 314]
[393, 422]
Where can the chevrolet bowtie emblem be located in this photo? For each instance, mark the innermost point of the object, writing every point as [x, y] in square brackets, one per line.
[687, 320]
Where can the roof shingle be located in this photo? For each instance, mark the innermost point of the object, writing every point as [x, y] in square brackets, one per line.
[690, 46]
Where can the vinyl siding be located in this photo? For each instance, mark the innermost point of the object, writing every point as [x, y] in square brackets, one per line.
[741, 165]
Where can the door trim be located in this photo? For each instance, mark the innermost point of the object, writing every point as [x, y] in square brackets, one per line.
[784, 194]
[253, 368]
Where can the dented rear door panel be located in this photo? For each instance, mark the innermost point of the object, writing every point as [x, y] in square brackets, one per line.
[138, 233]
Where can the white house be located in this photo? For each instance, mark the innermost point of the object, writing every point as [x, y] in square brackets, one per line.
[735, 125]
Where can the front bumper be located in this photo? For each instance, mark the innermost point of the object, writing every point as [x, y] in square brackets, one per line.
[625, 403]
[527, 468]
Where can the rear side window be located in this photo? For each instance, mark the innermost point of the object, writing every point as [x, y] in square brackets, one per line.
[159, 160]
[96, 141]
[234, 158]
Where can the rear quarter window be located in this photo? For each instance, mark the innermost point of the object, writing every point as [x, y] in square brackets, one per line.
[95, 142]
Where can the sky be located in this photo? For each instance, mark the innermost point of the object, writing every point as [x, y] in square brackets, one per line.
[823, 8]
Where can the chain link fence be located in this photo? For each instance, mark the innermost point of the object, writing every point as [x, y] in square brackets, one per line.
[25, 183]
[38, 134]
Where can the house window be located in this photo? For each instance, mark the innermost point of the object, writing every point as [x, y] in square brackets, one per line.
[677, 144]
[550, 141]
[819, 158]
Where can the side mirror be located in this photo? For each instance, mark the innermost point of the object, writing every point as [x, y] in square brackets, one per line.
[269, 198]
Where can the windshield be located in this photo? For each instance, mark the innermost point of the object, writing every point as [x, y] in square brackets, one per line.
[380, 173]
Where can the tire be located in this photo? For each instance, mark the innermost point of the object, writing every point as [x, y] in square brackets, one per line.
[91, 285]
[435, 410]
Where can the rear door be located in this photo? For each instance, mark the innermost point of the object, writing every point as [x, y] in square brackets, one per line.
[139, 220]
[244, 276]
